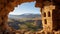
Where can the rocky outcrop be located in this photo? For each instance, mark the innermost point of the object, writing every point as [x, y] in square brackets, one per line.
[6, 6]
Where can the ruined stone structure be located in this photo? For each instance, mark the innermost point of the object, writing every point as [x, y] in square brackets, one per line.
[50, 11]
[50, 16]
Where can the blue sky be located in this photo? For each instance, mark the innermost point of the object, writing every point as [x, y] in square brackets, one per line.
[26, 8]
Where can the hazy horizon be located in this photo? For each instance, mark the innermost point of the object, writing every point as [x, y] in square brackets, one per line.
[24, 13]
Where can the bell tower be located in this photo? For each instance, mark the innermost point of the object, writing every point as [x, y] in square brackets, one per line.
[47, 8]
[47, 17]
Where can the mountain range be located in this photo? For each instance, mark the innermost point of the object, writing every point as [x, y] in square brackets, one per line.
[14, 20]
[26, 15]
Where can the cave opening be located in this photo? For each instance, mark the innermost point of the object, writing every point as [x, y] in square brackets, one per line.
[25, 17]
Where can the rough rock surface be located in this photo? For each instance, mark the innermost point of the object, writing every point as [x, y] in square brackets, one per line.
[6, 6]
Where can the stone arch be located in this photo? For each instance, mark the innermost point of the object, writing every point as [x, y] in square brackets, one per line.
[6, 6]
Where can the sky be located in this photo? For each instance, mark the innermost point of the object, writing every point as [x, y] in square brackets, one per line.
[26, 8]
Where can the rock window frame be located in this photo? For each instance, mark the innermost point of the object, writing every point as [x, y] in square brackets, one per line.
[49, 15]
[45, 21]
[44, 14]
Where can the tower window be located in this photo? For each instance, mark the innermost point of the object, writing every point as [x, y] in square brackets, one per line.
[49, 14]
[44, 14]
[45, 21]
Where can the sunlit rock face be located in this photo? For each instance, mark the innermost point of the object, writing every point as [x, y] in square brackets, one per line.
[52, 24]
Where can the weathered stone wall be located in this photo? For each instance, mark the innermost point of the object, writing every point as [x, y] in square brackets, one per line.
[52, 22]
[47, 17]
[6, 6]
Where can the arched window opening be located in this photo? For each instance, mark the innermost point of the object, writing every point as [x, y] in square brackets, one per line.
[49, 14]
[45, 21]
[44, 14]
[25, 17]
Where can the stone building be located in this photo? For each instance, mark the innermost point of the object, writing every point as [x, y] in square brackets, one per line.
[50, 16]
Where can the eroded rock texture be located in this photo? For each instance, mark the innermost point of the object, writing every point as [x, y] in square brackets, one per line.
[7, 6]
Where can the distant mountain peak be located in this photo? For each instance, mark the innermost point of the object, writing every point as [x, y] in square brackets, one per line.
[25, 15]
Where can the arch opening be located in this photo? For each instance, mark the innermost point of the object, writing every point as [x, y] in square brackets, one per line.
[22, 11]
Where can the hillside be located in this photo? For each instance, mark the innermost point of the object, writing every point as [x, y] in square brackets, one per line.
[15, 20]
